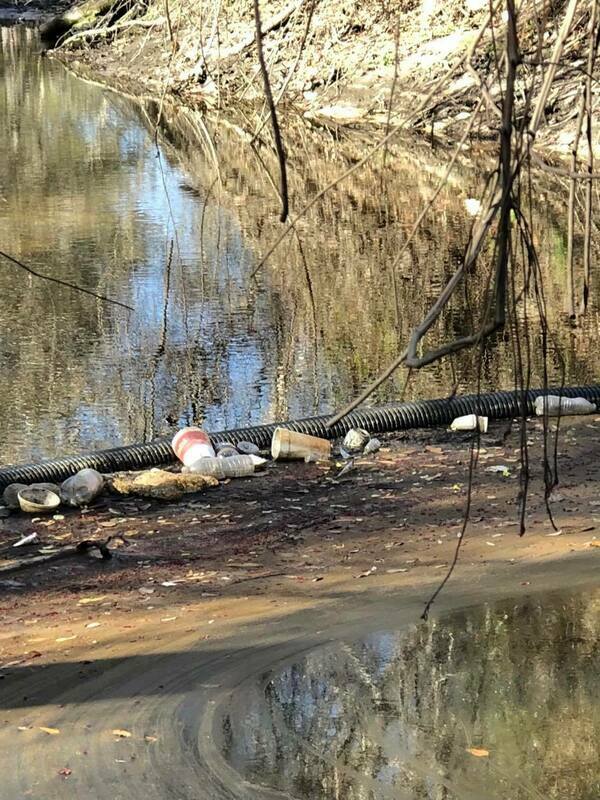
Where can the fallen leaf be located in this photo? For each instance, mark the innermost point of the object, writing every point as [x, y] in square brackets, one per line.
[93, 625]
[65, 772]
[121, 733]
[65, 638]
[50, 731]
[478, 751]
[86, 600]
[151, 738]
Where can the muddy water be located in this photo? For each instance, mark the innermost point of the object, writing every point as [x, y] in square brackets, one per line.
[497, 702]
[174, 225]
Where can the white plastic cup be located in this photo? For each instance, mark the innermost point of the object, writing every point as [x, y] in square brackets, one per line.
[288, 444]
[470, 422]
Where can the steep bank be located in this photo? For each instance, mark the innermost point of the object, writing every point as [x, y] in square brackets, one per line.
[342, 60]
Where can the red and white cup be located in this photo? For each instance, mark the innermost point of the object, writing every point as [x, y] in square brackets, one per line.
[190, 444]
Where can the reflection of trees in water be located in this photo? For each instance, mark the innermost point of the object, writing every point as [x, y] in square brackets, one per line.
[364, 313]
[393, 715]
[83, 197]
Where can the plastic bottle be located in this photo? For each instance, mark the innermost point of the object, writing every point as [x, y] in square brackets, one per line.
[232, 467]
[552, 405]
[81, 489]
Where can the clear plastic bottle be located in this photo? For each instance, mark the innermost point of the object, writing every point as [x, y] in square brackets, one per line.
[82, 488]
[232, 467]
[553, 405]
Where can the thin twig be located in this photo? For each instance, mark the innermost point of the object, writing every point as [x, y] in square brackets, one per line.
[273, 112]
[60, 282]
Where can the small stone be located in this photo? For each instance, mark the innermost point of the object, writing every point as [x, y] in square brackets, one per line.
[248, 448]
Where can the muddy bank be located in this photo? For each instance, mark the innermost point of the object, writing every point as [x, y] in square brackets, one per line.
[300, 531]
[114, 676]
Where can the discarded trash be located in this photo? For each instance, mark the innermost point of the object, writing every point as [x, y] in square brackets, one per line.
[372, 446]
[26, 540]
[472, 206]
[478, 752]
[288, 444]
[10, 495]
[553, 405]
[190, 444]
[238, 466]
[501, 468]
[356, 440]
[345, 469]
[82, 488]
[227, 451]
[159, 484]
[248, 448]
[38, 501]
[470, 422]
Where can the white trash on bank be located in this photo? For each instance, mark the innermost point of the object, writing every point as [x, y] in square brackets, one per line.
[29, 539]
[287, 444]
[470, 422]
[38, 500]
[355, 441]
[190, 444]
[553, 405]
[238, 466]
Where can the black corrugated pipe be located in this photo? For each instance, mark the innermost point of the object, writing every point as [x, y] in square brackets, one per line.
[380, 419]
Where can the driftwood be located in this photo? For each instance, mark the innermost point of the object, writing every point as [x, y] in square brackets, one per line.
[83, 16]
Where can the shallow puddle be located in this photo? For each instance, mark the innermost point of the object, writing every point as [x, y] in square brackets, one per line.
[492, 703]
[175, 225]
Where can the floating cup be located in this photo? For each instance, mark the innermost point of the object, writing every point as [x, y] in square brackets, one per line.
[288, 444]
[190, 444]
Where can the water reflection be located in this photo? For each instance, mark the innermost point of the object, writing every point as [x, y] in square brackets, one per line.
[86, 195]
[394, 715]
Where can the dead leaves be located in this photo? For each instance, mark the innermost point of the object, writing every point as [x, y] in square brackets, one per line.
[50, 731]
[121, 734]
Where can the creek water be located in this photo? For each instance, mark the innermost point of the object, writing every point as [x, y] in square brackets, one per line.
[491, 703]
[173, 222]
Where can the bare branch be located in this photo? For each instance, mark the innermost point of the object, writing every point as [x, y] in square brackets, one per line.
[60, 282]
[273, 112]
